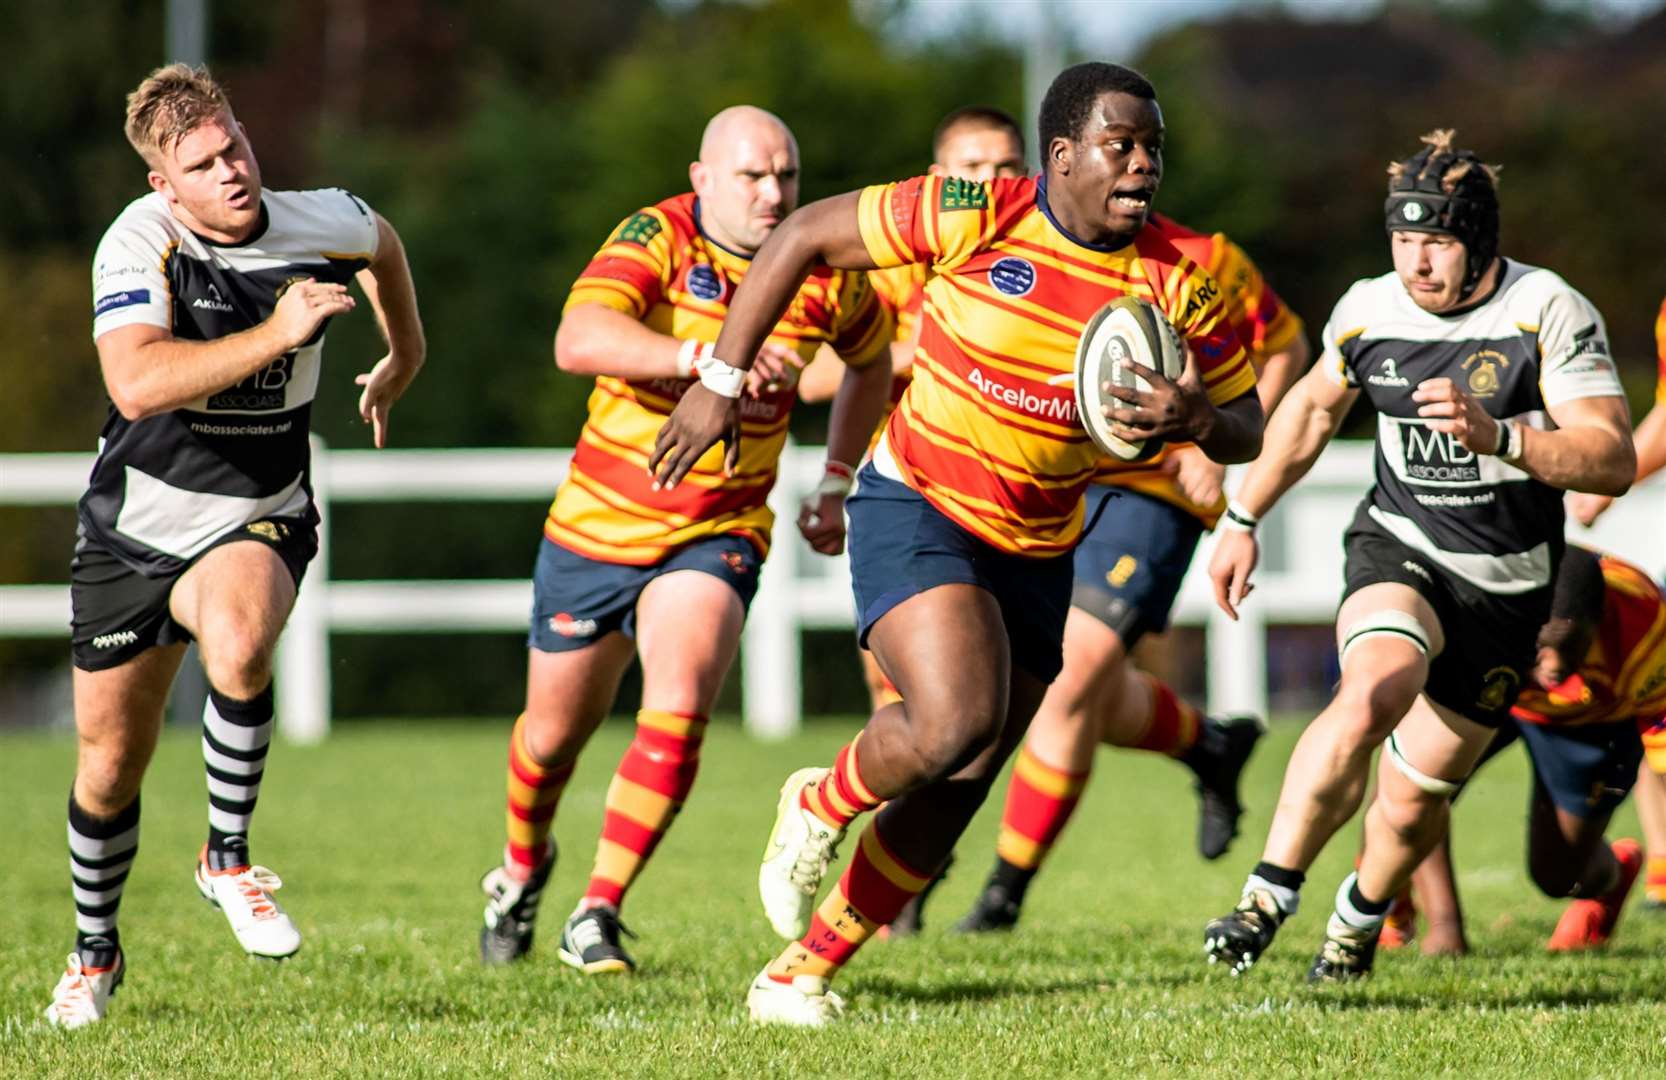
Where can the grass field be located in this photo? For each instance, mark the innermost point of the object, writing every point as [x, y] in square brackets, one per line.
[381, 835]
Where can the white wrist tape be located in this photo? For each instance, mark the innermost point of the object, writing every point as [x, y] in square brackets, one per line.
[1238, 519]
[687, 354]
[1510, 442]
[837, 480]
[717, 376]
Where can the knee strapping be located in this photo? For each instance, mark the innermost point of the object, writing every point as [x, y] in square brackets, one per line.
[1387, 622]
[1431, 784]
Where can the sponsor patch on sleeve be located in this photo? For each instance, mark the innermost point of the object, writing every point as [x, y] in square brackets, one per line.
[958, 194]
[117, 300]
[640, 229]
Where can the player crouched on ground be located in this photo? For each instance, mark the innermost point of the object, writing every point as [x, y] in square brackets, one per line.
[1494, 391]
[210, 301]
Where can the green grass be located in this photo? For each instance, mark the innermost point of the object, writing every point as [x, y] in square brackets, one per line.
[381, 835]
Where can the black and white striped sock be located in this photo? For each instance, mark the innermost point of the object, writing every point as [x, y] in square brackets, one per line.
[235, 735]
[100, 856]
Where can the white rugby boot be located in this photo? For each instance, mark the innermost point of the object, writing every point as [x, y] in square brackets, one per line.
[795, 860]
[804, 1002]
[244, 894]
[83, 992]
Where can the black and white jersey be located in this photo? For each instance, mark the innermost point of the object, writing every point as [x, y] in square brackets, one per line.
[1535, 343]
[166, 487]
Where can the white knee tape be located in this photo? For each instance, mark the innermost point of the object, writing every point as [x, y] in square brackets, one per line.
[1387, 622]
[1433, 785]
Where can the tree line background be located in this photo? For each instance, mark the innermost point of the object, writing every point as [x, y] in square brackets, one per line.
[505, 141]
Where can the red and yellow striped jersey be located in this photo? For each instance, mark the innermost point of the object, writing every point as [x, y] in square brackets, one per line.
[1660, 355]
[1264, 325]
[987, 431]
[902, 289]
[660, 268]
[1624, 673]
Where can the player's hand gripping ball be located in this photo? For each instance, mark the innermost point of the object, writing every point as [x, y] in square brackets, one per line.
[1126, 329]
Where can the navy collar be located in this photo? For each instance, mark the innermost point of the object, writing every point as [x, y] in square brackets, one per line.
[1041, 204]
[713, 241]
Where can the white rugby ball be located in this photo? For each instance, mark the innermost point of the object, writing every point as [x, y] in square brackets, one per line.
[1127, 328]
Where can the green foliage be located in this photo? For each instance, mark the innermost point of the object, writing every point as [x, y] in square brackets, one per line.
[381, 834]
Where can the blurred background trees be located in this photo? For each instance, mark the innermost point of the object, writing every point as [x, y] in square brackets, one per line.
[505, 140]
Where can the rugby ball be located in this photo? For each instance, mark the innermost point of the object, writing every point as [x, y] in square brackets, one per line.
[1127, 328]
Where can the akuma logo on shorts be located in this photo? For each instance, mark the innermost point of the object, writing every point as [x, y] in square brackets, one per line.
[569, 627]
[120, 637]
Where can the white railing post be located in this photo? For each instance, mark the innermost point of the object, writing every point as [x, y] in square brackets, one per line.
[1237, 661]
[303, 661]
[770, 660]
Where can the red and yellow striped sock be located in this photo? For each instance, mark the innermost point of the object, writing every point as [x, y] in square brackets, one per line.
[653, 779]
[1174, 724]
[534, 792]
[1040, 800]
[1654, 880]
[841, 796]
[874, 889]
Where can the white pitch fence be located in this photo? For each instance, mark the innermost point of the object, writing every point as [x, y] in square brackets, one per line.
[1298, 582]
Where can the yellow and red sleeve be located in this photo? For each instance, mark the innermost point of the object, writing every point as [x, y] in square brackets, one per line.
[863, 327]
[631, 271]
[937, 220]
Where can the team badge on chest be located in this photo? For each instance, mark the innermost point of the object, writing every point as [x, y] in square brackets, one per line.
[705, 283]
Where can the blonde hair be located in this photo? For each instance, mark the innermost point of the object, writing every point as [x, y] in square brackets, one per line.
[1440, 141]
[171, 103]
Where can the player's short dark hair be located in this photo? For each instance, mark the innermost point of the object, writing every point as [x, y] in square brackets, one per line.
[976, 118]
[1069, 101]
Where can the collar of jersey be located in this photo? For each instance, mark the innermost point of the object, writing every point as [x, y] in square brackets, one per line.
[1475, 304]
[260, 230]
[1047, 212]
[713, 241]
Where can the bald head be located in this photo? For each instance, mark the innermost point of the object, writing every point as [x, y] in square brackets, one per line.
[746, 177]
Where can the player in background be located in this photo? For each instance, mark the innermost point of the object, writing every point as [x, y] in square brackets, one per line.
[1494, 393]
[966, 514]
[1128, 571]
[1650, 437]
[629, 568]
[211, 297]
[974, 143]
[1594, 721]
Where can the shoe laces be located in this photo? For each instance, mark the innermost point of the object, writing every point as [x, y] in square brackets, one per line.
[74, 995]
[811, 865]
[256, 886]
[598, 926]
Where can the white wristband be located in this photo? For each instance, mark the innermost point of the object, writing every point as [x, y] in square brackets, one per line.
[687, 354]
[836, 480]
[1238, 519]
[717, 376]
[1509, 442]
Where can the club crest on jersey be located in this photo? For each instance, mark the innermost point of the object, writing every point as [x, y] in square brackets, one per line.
[1498, 689]
[704, 282]
[1483, 379]
[1012, 275]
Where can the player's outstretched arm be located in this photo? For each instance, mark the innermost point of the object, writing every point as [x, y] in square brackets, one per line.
[823, 232]
[147, 371]
[387, 285]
